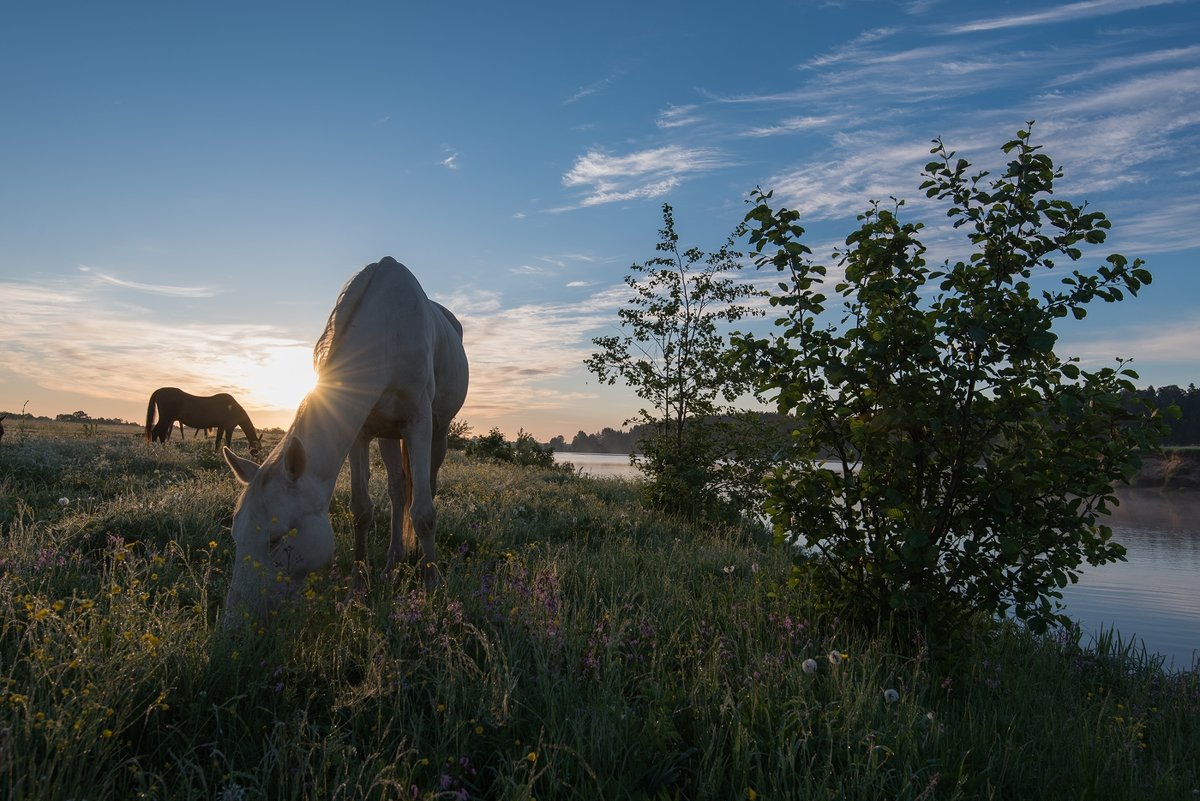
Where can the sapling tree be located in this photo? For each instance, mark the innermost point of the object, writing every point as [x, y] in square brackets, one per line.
[676, 358]
[945, 460]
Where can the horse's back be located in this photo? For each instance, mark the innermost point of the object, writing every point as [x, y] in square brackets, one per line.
[381, 308]
[385, 333]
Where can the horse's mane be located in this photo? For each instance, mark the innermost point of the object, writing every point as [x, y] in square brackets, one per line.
[343, 312]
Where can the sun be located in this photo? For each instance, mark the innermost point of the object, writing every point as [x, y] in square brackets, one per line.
[277, 377]
[286, 378]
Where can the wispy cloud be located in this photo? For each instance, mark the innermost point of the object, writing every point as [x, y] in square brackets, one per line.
[450, 162]
[64, 337]
[1146, 345]
[1123, 66]
[152, 289]
[677, 117]
[790, 125]
[852, 50]
[867, 166]
[593, 88]
[1063, 13]
[644, 174]
[558, 333]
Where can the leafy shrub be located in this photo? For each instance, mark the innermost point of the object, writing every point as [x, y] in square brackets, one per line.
[525, 451]
[971, 466]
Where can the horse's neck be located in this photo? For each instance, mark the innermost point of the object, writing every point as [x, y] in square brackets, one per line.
[247, 427]
[327, 424]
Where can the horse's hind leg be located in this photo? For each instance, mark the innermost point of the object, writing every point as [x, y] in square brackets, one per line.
[162, 430]
[403, 539]
[360, 503]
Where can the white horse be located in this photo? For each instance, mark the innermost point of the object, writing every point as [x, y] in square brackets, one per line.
[391, 366]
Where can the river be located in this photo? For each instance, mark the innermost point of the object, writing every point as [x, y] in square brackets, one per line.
[1153, 596]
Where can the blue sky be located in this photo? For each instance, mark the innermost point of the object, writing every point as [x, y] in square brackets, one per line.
[185, 187]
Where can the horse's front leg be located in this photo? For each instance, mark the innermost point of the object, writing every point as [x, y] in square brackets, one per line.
[422, 515]
[360, 503]
[403, 540]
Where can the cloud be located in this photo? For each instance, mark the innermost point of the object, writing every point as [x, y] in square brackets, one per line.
[1129, 63]
[517, 353]
[852, 50]
[1158, 344]
[865, 166]
[789, 126]
[153, 289]
[644, 174]
[63, 337]
[593, 88]
[677, 117]
[1064, 13]
[451, 161]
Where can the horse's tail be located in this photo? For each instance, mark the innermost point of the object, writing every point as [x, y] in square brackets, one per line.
[150, 413]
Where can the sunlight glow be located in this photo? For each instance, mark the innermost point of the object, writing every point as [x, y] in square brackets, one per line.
[275, 376]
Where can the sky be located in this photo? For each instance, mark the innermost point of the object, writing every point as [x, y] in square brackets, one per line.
[185, 187]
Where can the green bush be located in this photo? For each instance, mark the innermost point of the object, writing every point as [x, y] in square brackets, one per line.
[945, 460]
[524, 451]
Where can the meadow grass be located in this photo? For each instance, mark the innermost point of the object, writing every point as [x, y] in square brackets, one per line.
[581, 647]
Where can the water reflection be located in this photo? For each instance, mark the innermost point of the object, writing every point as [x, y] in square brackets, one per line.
[1154, 596]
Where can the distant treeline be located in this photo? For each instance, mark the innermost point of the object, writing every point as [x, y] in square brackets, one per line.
[611, 440]
[73, 417]
[1185, 430]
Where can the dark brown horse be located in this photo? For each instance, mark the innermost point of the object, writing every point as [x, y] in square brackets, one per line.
[221, 412]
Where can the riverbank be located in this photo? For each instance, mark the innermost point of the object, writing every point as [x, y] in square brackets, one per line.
[582, 646]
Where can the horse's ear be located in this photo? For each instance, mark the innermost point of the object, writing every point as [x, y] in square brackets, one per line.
[294, 458]
[244, 469]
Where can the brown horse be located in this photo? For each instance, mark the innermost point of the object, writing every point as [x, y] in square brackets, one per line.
[221, 412]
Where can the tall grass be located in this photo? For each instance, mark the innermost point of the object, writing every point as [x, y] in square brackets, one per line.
[582, 647]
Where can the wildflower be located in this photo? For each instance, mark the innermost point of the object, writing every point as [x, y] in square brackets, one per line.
[107, 733]
[891, 696]
[531, 756]
[809, 666]
[728, 570]
[835, 658]
[64, 501]
[212, 544]
[750, 794]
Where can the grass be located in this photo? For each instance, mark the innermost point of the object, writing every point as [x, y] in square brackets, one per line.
[582, 647]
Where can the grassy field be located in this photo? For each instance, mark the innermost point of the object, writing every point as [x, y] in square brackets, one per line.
[582, 647]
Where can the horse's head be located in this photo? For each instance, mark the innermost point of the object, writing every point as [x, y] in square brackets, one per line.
[281, 532]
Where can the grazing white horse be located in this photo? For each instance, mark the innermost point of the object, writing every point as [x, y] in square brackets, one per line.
[391, 366]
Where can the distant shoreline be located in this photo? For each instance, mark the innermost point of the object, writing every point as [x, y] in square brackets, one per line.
[1171, 470]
